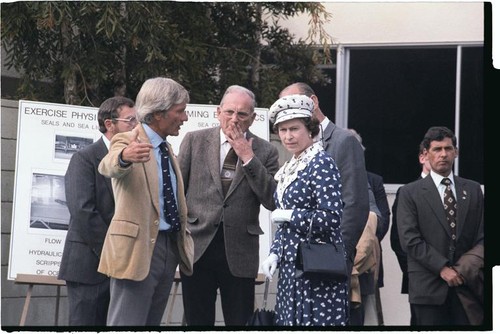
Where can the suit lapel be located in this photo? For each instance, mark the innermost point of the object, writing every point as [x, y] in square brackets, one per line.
[151, 173]
[431, 195]
[327, 134]
[213, 157]
[463, 202]
[101, 151]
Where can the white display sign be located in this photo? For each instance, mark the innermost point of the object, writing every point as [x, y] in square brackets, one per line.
[48, 134]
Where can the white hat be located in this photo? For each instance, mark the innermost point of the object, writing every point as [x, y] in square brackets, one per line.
[289, 107]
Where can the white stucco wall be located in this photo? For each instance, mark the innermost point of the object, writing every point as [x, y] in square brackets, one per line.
[398, 22]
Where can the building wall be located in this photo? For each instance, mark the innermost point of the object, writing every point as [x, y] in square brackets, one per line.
[402, 22]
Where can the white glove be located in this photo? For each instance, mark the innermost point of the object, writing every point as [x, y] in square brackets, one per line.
[279, 216]
[269, 266]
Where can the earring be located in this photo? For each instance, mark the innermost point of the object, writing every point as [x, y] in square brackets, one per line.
[310, 136]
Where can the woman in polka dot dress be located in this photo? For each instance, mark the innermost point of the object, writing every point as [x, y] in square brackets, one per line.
[308, 191]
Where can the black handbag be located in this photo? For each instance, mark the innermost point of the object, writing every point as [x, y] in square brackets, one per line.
[262, 317]
[320, 260]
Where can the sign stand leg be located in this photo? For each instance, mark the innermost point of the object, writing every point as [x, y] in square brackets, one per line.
[26, 305]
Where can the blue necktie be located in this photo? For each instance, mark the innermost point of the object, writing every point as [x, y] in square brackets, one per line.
[169, 206]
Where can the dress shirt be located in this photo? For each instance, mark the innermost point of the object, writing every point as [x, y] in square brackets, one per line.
[106, 142]
[322, 127]
[156, 140]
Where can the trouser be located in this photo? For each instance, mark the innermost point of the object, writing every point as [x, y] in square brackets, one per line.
[88, 303]
[143, 303]
[448, 314]
[199, 291]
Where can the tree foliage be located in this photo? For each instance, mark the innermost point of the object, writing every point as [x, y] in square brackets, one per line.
[87, 51]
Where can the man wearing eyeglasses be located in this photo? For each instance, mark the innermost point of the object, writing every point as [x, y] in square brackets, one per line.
[223, 199]
[89, 197]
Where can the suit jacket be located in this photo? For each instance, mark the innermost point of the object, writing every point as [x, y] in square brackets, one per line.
[89, 197]
[130, 240]
[350, 160]
[396, 245]
[252, 185]
[377, 184]
[425, 234]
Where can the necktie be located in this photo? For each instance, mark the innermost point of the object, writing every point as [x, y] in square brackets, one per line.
[169, 206]
[450, 207]
[228, 169]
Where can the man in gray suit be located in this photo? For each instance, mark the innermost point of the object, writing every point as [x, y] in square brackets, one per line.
[348, 154]
[225, 226]
[435, 242]
[89, 197]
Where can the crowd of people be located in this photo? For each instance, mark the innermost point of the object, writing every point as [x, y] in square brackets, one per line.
[139, 213]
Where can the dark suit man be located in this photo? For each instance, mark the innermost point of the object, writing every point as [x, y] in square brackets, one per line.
[395, 243]
[435, 241]
[225, 226]
[89, 197]
[146, 241]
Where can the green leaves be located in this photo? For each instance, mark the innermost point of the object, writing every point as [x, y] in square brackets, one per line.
[91, 50]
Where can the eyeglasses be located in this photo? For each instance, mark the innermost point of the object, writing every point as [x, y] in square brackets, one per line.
[240, 114]
[128, 120]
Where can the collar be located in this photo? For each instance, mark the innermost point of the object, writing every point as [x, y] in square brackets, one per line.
[154, 137]
[436, 178]
[107, 142]
[325, 123]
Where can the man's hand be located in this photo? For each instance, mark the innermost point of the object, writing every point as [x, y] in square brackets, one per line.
[242, 147]
[451, 277]
[137, 150]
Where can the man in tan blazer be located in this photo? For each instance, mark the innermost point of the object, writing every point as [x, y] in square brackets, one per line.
[142, 248]
[225, 226]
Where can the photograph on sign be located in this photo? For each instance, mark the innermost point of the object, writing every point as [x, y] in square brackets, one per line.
[48, 203]
[65, 145]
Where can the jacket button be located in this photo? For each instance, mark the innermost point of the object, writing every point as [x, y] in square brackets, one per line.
[157, 222]
[153, 241]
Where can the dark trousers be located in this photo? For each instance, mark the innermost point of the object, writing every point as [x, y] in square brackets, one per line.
[88, 303]
[199, 291]
[451, 313]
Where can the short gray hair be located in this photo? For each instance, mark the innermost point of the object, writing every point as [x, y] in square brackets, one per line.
[241, 89]
[158, 94]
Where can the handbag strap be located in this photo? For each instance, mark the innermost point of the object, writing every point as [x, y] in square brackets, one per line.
[309, 232]
[309, 236]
